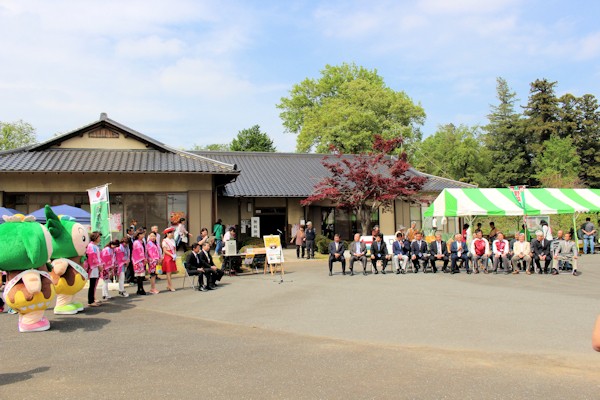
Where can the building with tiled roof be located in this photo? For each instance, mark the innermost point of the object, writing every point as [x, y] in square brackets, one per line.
[153, 183]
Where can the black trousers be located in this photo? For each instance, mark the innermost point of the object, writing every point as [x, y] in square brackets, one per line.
[383, 259]
[298, 247]
[92, 290]
[332, 259]
[433, 260]
[547, 262]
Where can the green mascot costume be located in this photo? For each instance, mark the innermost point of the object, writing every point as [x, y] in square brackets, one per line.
[25, 248]
[69, 241]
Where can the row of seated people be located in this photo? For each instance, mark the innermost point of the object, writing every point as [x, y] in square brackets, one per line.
[199, 262]
[420, 254]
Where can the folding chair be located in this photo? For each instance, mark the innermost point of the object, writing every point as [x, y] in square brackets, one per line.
[187, 276]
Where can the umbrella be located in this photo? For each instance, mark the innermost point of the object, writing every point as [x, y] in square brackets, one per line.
[81, 216]
[7, 211]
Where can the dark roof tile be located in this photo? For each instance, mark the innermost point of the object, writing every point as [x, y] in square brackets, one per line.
[291, 174]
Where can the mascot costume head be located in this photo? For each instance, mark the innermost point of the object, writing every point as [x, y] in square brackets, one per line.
[69, 241]
[25, 248]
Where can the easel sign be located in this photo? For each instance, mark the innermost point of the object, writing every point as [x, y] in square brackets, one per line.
[274, 253]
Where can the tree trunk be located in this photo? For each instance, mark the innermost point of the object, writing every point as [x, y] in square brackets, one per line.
[365, 220]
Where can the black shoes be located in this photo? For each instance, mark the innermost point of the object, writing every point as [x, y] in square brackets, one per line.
[383, 271]
[375, 272]
[398, 272]
[202, 288]
[365, 273]
[141, 292]
[330, 274]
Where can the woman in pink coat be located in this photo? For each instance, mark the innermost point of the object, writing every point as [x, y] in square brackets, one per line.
[153, 258]
[122, 256]
[93, 264]
[138, 258]
[108, 266]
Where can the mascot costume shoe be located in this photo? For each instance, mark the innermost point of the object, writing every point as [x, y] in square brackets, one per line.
[25, 248]
[69, 241]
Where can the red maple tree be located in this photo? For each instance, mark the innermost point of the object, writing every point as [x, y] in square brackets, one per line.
[363, 183]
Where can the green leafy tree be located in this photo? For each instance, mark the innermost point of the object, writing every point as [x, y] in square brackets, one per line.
[558, 164]
[211, 147]
[456, 153]
[252, 140]
[345, 108]
[16, 134]
[508, 141]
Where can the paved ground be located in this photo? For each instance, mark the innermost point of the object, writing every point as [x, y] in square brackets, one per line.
[313, 336]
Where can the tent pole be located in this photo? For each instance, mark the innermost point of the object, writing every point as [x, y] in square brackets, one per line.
[575, 228]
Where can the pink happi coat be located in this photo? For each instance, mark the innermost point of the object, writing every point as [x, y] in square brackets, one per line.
[122, 257]
[108, 262]
[152, 255]
[138, 257]
[93, 261]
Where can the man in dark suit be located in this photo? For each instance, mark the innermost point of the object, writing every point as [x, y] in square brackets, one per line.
[358, 252]
[459, 251]
[439, 252]
[336, 254]
[418, 248]
[210, 270]
[540, 248]
[379, 252]
[194, 267]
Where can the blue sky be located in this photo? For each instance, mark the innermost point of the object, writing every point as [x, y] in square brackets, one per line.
[197, 72]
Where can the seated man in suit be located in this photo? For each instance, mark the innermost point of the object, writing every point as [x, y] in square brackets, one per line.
[379, 252]
[540, 247]
[521, 253]
[459, 251]
[399, 254]
[567, 251]
[194, 267]
[336, 254]
[438, 252]
[500, 248]
[418, 249]
[358, 252]
[210, 270]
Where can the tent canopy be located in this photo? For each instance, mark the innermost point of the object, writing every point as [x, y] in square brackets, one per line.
[81, 216]
[474, 201]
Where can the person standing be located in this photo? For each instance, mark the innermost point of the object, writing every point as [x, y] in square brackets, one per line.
[108, 266]
[358, 252]
[418, 249]
[153, 257]
[138, 257]
[589, 231]
[129, 274]
[123, 258]
[336, 254]
[310, 235]
[181, 235]
[299, 241]
[438, 252]
[218, 231]
[412, 231]
[93, 264]
[169, 256]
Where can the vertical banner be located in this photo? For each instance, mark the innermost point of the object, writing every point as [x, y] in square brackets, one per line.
[100, 212]
[519, 192]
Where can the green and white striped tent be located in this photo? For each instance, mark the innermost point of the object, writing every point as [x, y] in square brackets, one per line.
[472, 202]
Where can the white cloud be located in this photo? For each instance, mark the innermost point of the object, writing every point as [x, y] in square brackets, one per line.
[464, 6]
[149, 47]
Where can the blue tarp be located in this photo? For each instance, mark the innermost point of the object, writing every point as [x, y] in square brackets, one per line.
[81, 216]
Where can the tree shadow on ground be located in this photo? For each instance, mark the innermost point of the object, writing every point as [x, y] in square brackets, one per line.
[14, 377]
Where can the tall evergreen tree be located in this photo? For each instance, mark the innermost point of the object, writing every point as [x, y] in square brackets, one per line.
[586, 140]
[508, 141]
[543, 112]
